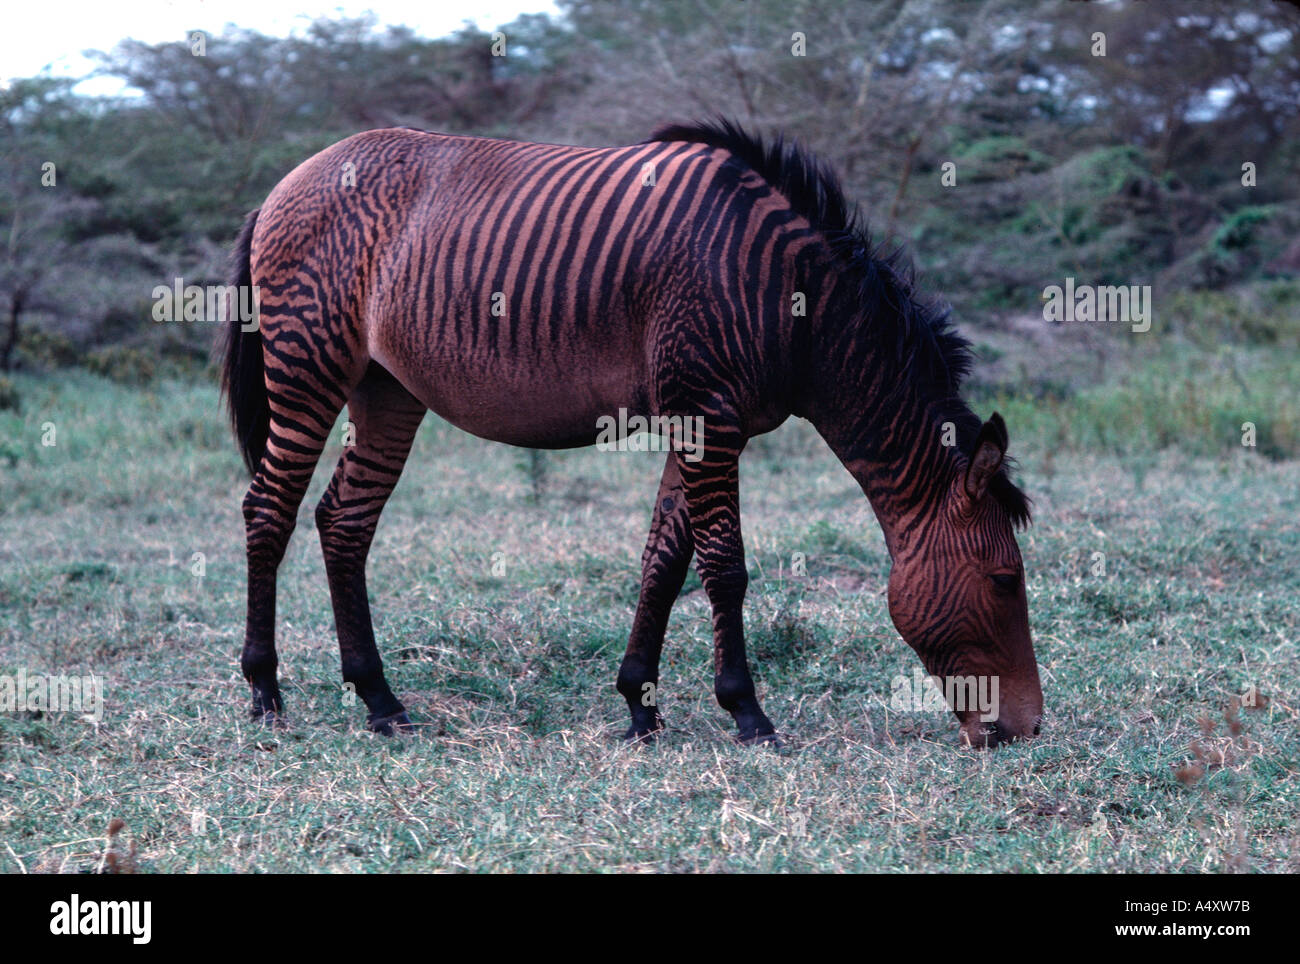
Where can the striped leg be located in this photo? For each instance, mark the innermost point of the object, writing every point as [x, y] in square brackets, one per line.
[303, 406]
[712, 487]
[664, 565]
[386, 417]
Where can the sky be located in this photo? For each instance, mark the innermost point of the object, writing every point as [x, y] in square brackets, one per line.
[39, 34]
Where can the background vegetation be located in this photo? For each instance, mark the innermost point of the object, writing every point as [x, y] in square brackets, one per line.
[1122, 169]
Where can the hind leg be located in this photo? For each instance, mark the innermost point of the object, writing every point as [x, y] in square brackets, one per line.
[664, 565]
[386, 417]
[303, 403]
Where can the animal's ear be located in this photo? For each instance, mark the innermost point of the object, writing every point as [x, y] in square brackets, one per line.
[986, 457]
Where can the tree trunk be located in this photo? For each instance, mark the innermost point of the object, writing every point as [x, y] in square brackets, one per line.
[11, 341]
[913, 146]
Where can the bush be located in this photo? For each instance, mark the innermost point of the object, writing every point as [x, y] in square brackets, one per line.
[1248, 245]
[9, 400]
[47, 349]
[999, 159]
[1238, 232]
[127, 366]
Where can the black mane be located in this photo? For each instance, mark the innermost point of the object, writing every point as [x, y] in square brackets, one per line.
[927, 345]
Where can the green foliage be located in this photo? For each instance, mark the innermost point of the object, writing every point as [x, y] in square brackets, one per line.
[1238, 231]
[128, 366]
[1060, 171]
[1001, 158]
[10, 400]
[1104, 171]
[48, 349]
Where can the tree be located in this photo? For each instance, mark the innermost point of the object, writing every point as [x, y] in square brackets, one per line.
[37, 214]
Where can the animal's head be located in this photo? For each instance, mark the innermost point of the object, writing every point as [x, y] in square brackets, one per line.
[957, 596]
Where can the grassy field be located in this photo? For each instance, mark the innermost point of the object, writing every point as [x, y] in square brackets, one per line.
[1144, 765]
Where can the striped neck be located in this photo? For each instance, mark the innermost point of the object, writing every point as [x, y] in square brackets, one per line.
[897, 458]
[877, 405]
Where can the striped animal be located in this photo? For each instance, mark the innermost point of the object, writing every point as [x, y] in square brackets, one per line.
[526, 292]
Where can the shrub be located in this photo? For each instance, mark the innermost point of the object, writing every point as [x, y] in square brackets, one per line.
[127, 366]
[48, 349]
[9, 400]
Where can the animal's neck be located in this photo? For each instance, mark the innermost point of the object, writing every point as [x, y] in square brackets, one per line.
[887, 430]
[897, 464]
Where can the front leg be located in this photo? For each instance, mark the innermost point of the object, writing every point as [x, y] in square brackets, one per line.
[712, 487]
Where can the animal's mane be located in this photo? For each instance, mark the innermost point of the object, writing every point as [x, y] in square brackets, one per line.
[926, 344]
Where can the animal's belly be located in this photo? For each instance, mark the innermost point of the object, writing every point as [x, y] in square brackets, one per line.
[531, 404]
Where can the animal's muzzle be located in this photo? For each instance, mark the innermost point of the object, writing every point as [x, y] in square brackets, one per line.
[983, 735]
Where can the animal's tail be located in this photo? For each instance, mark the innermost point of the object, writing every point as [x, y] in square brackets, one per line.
[243, 381]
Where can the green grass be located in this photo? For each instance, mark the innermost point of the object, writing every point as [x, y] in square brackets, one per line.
[1197, 403]
[520, 767]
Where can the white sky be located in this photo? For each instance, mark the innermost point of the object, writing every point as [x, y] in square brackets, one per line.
[53, 33]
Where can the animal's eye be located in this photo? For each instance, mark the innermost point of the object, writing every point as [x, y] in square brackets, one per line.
[1005, 581]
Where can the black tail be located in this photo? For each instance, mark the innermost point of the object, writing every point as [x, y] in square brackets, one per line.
[242, 379]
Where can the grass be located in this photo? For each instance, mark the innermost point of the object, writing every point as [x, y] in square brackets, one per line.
[520, 767]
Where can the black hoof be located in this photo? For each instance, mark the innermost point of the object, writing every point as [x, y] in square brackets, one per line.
[391, 724]
[646, 726]
[271, 719]
[760, 736]
[267, 704]
[643, 736]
